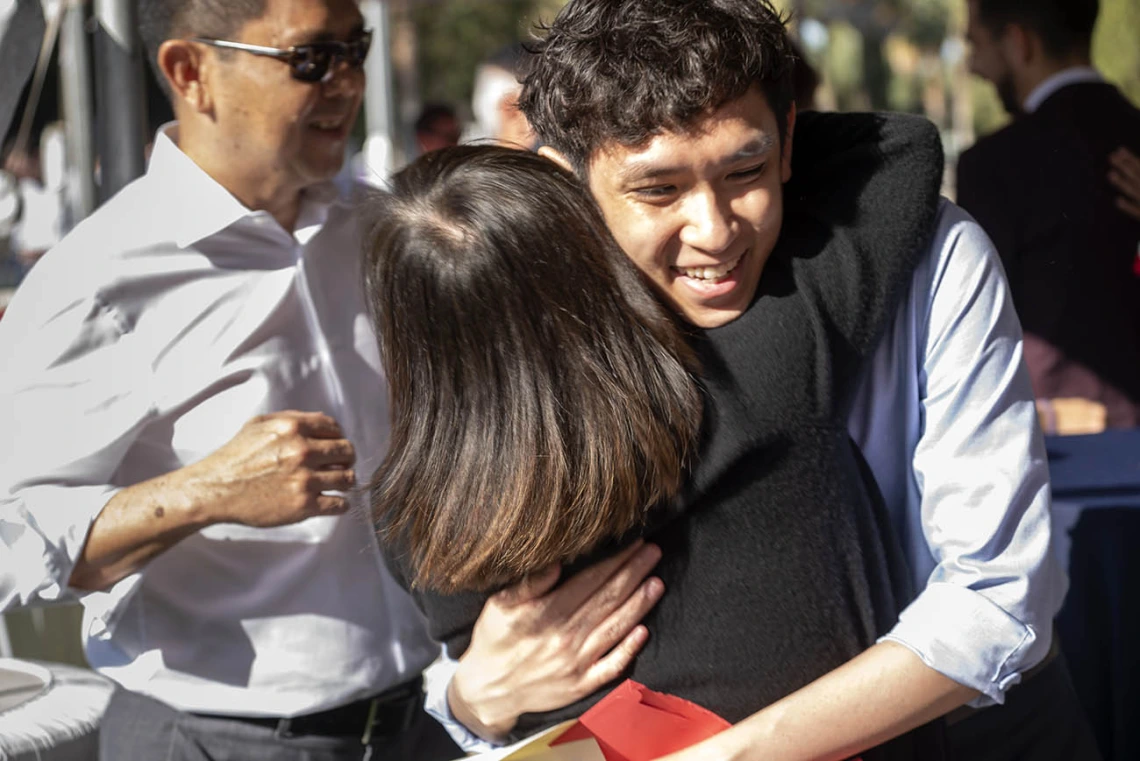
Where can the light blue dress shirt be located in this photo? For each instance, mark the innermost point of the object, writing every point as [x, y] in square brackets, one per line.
[946, 420]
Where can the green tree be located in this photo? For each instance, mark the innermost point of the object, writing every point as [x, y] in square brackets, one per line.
[1116, 45]
[453, 36]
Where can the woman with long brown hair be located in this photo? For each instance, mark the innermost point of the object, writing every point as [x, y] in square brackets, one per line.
[543, 400]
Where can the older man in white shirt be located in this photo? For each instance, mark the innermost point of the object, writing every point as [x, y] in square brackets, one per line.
[189, 378]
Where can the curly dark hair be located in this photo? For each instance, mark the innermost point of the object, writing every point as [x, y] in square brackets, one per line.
[625, 70]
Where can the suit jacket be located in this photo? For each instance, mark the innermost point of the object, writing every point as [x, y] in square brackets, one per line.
[1039, 187]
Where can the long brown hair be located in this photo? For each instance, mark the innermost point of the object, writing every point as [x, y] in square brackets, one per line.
[542, 398]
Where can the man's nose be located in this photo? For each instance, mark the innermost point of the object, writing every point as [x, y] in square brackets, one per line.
[710, 224]
[346, 81]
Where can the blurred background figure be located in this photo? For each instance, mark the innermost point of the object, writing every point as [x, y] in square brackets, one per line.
[437, 127]
[37, 177]
[32, 165]
[494, 101]
[1040, 187]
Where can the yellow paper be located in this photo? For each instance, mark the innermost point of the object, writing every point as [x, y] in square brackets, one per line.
[580, 750]
[538, 748]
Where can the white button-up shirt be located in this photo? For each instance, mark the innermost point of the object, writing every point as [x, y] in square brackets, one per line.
[946, 420]
[1070, 76]
[142, 343]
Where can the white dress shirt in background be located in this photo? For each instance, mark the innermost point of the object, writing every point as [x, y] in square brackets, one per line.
[946, 420]
[142, 343]
[1070, 76]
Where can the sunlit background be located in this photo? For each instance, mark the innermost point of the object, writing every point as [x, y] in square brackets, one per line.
[901, 55]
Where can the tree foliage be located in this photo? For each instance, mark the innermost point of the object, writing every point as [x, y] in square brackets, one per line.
[453, 36]
[1116, 45]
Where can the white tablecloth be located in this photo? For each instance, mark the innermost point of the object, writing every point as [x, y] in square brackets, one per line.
[50, 712]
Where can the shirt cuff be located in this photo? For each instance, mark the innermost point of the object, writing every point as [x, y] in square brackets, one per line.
[437, 678]
[965, 636]
[43, 531]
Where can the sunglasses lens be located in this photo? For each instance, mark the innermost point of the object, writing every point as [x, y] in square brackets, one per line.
[311, 62]
[357, 50]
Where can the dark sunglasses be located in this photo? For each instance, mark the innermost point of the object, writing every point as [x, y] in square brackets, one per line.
[312, 62]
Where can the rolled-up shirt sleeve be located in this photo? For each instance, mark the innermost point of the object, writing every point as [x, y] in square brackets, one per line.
[74, 393]
[437, 680]
[979, 466]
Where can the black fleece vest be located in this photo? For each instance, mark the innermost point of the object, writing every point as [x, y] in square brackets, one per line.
[779, 563]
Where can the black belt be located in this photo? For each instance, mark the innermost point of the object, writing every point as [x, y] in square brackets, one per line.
[386, 714]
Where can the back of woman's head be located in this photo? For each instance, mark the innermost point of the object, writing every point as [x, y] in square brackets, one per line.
[542, 399]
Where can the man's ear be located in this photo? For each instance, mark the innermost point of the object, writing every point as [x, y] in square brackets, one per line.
[786, 148]
[556, 156]
[184, 65]
[1018, 44]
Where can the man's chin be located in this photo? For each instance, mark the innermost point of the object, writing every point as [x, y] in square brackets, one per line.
[1009, 100]
[317, 174]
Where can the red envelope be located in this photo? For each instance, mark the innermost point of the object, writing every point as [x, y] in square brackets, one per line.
[634, 723]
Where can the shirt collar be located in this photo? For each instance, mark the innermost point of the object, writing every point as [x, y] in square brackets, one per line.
[202, 206]
[1062, 78]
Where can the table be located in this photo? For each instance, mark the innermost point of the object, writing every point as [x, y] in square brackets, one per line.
[50, 712]
[1096, 492]
[1101, 470]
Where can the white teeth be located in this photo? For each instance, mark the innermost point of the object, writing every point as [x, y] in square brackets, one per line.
[710, 273]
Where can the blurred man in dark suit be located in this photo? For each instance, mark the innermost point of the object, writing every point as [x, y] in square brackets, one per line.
[1040, 188]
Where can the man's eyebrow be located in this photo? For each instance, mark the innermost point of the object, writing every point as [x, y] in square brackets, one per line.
[761, 146]
[639, 171]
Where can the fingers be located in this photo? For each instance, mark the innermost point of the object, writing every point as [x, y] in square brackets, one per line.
[530, 588]
[614, 590]
[583, 585]
[1132, 209]
[305, 439]
[1127, 163]
[1125, 184]
[617, 627]
[317, 425]
[323, 453]
[330, 504]
[332, 480]
[614, 664]
[308, 424]
[1125, 177]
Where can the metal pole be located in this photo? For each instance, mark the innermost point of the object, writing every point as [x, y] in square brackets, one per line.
[75, 91]
[382, 150]
[119, 91]
[403, 55]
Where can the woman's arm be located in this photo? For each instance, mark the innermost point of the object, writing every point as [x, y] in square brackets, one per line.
[880, 694]
[537, 647]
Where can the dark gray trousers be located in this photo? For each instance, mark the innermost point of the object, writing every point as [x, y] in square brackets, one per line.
[139, 728]
[1041, 720]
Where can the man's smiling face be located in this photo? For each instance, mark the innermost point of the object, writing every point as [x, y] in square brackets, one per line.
[699, 211]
